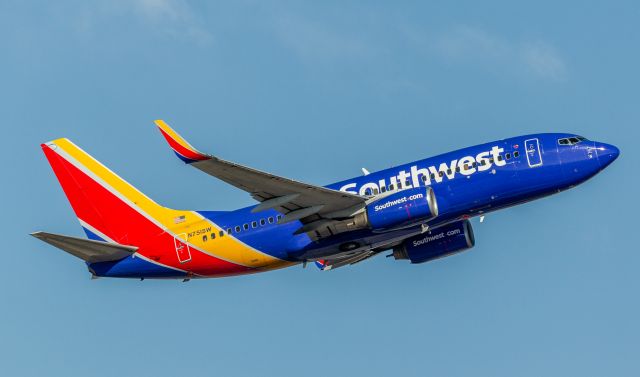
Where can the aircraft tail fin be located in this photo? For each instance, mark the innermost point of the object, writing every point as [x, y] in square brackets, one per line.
[108, 207]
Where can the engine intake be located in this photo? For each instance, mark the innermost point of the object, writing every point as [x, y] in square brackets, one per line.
[440, 242]
[400, 208]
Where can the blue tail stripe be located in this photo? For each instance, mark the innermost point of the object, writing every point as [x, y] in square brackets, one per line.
[93, 236]
[132, 267]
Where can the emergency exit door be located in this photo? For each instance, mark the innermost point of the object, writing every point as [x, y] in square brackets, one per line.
[532, 148]
[182, 248]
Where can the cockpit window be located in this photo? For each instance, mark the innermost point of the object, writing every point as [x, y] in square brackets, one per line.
[571, 140]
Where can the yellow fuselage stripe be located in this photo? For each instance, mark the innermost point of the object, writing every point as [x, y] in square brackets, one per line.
[226, 247]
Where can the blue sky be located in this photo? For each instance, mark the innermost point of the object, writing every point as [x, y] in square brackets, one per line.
[315, 91]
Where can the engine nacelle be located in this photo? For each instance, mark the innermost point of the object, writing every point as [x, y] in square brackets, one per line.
[402, 207]
[440, 242]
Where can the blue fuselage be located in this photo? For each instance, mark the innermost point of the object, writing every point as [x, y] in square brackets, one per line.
[467, 182]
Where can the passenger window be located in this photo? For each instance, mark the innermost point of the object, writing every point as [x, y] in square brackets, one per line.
[508, 156]
[441, 174]
[458, 169]
[222, 233]
[245, 226]
[433, 176]
[491, 160]
[204, 238]
[262, 222]
[270, 220]
[448, 171]
[423, 177]
[237, 229]
[499, 157]
[278, 217]
[516, 154]
[483, 162]
[229, 231]
[475, 164]
[254, 224]
[383, 189]
[375, 191]
[391, 187]
[213, 236]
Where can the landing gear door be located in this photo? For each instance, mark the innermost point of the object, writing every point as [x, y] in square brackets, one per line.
[532, 148]
[182, 249]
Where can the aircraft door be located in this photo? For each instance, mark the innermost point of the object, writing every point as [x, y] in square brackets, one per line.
[532, 149]
[182, 249]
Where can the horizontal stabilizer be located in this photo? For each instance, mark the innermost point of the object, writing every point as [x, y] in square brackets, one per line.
[88, 250]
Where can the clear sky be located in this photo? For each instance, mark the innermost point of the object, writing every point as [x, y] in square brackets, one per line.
[315, 91]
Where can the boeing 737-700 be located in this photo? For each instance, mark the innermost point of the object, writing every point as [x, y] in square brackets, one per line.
[419, 211]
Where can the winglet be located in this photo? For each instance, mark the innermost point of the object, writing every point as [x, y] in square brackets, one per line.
[180, 146]
[323, 265]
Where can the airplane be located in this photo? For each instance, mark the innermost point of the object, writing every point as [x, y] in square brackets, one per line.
[418, 211]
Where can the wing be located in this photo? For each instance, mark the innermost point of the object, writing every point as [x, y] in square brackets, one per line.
[333, 263]
[88, 250]
[297, 200]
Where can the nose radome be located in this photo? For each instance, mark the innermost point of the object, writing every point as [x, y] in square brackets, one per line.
[607, 153]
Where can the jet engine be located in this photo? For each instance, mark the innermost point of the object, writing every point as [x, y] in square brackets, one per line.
[400, 208]
[440, 242]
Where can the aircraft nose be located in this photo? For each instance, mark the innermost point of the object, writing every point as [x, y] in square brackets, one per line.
[607, 153]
